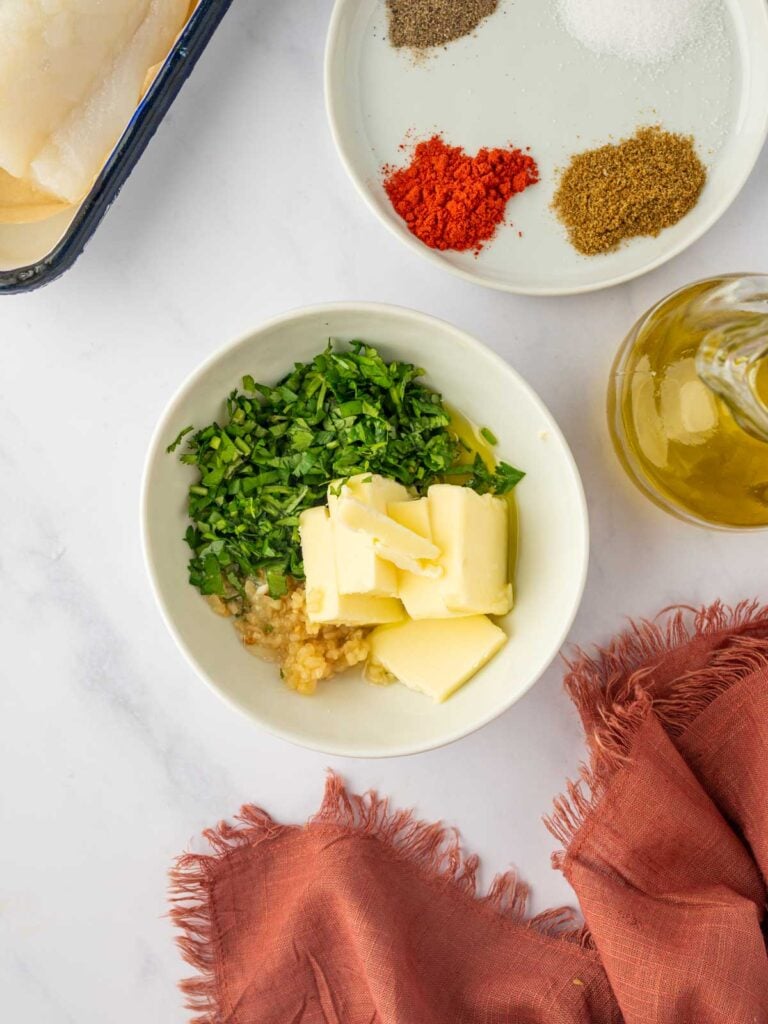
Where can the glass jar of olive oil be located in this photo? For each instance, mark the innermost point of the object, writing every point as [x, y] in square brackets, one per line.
[688, 402]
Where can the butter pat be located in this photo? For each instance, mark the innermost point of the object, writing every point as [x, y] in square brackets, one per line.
[422, 597]
[413, 515]
[370, 488]
[325, 603]
[359, 568]
[436, 656]
[392, 541]
[472, 533]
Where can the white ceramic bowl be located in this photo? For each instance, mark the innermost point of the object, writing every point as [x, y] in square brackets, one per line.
[522, 79]
[348, 716]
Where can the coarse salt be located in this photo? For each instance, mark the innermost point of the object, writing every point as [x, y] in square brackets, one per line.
[645, 31]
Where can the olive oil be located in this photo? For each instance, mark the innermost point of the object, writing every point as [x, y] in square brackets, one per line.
[688, 403]
[761, 381]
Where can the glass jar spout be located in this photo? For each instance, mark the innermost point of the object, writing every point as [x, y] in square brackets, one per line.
[731, 359]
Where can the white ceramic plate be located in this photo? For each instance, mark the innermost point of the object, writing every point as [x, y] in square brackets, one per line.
[522, 79]
[347, 715]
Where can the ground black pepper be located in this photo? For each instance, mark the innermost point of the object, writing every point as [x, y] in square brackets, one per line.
[638, 186]
[419, 24]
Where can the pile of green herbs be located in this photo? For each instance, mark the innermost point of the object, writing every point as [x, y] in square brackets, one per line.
[278, 449]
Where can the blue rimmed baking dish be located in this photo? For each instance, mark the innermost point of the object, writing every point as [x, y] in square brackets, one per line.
[62, 238]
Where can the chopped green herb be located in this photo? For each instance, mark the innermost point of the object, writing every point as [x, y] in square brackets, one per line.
[477, 476]
[279, 448]
[489, 436]
[180, 437]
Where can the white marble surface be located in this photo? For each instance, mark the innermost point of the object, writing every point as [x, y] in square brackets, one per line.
[113, 755]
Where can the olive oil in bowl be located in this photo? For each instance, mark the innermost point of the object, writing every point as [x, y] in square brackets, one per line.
[688, 403]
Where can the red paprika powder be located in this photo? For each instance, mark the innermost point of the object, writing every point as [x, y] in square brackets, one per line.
[450, 200]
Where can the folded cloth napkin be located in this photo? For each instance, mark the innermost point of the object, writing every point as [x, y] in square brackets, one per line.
[368, 916]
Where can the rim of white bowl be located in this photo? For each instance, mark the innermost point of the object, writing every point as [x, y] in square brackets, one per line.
[157, 447]
[405, 236]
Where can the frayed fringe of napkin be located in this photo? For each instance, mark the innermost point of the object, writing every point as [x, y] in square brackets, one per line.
[438, 851]
[616, 689]
[191, 893]
[435, 849]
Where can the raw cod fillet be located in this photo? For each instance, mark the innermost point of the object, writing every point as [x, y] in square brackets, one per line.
[71, 74]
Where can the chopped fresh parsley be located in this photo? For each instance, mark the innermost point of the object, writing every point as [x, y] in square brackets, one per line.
[278, 449]
[179, 438]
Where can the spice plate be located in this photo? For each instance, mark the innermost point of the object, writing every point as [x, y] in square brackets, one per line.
[521, 79]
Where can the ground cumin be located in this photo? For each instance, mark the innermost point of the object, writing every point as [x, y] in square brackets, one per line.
[636, 187]
[419, 24]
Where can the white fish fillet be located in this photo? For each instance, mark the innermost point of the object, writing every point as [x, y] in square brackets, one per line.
[71, 73]
[51, 54]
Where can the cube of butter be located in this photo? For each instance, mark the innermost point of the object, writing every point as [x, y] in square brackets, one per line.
[472, 533]
[424, 599]
[413, 515]
[359, 569]
[436, 656]
[392, 541]
[324, 601]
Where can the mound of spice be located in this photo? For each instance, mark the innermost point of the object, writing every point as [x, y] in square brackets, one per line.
[419, 24]
[648, 32]
[637, 187]
[451, 200]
